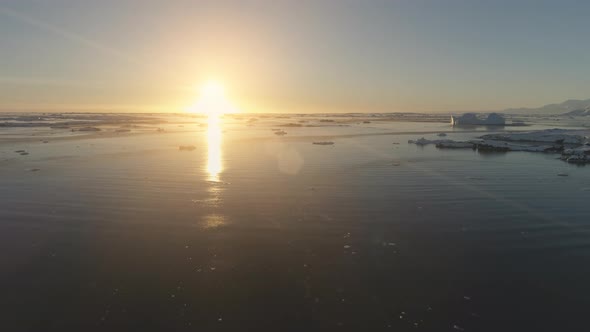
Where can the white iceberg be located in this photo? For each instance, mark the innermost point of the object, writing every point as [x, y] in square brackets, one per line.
[493, 119]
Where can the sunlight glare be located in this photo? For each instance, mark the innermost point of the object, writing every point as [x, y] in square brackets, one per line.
[212, 100]
[212, 90]
[214, 136]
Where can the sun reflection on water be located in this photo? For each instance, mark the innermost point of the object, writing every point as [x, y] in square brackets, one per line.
[214, 137]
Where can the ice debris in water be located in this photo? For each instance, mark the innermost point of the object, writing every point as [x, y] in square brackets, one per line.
[87, 129]
[424, 141]
[574, 145]
[280, 133]
[458, 328]
[346, 246]
[186, 148]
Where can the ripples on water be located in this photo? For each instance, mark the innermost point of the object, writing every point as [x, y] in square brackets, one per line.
[254, 231]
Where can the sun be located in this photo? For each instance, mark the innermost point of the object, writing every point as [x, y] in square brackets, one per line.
[212, 100]
[212, 90]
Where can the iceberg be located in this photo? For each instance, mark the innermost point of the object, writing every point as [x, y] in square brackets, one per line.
[493, 119]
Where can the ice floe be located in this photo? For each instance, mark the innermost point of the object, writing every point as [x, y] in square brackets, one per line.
[186, 148]
[280, 132]
[574, 145]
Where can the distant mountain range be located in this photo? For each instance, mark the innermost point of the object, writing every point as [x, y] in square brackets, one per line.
[570, 107]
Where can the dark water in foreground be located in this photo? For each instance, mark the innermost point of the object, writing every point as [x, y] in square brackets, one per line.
[254, 232]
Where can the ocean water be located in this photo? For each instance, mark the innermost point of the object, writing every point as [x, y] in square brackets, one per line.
[248, 230]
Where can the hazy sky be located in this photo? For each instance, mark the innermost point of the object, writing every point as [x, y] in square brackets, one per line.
[293, 56]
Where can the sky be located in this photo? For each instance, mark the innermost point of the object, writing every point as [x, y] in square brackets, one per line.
[293, 56]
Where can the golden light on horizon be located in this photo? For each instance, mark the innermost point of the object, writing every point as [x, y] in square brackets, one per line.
[212, 100]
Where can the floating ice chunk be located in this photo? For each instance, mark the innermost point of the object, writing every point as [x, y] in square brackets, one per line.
[493, 145]
[87, 129]
[547, 136]
[577, 159]
[424, 141]
[472, 119]
[455, 145]
[578, 155]
[186, 148]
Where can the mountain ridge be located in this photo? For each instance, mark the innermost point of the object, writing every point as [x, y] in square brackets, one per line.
[572, 107]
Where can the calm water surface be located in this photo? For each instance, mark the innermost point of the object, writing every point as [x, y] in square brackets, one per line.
[251, 231]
